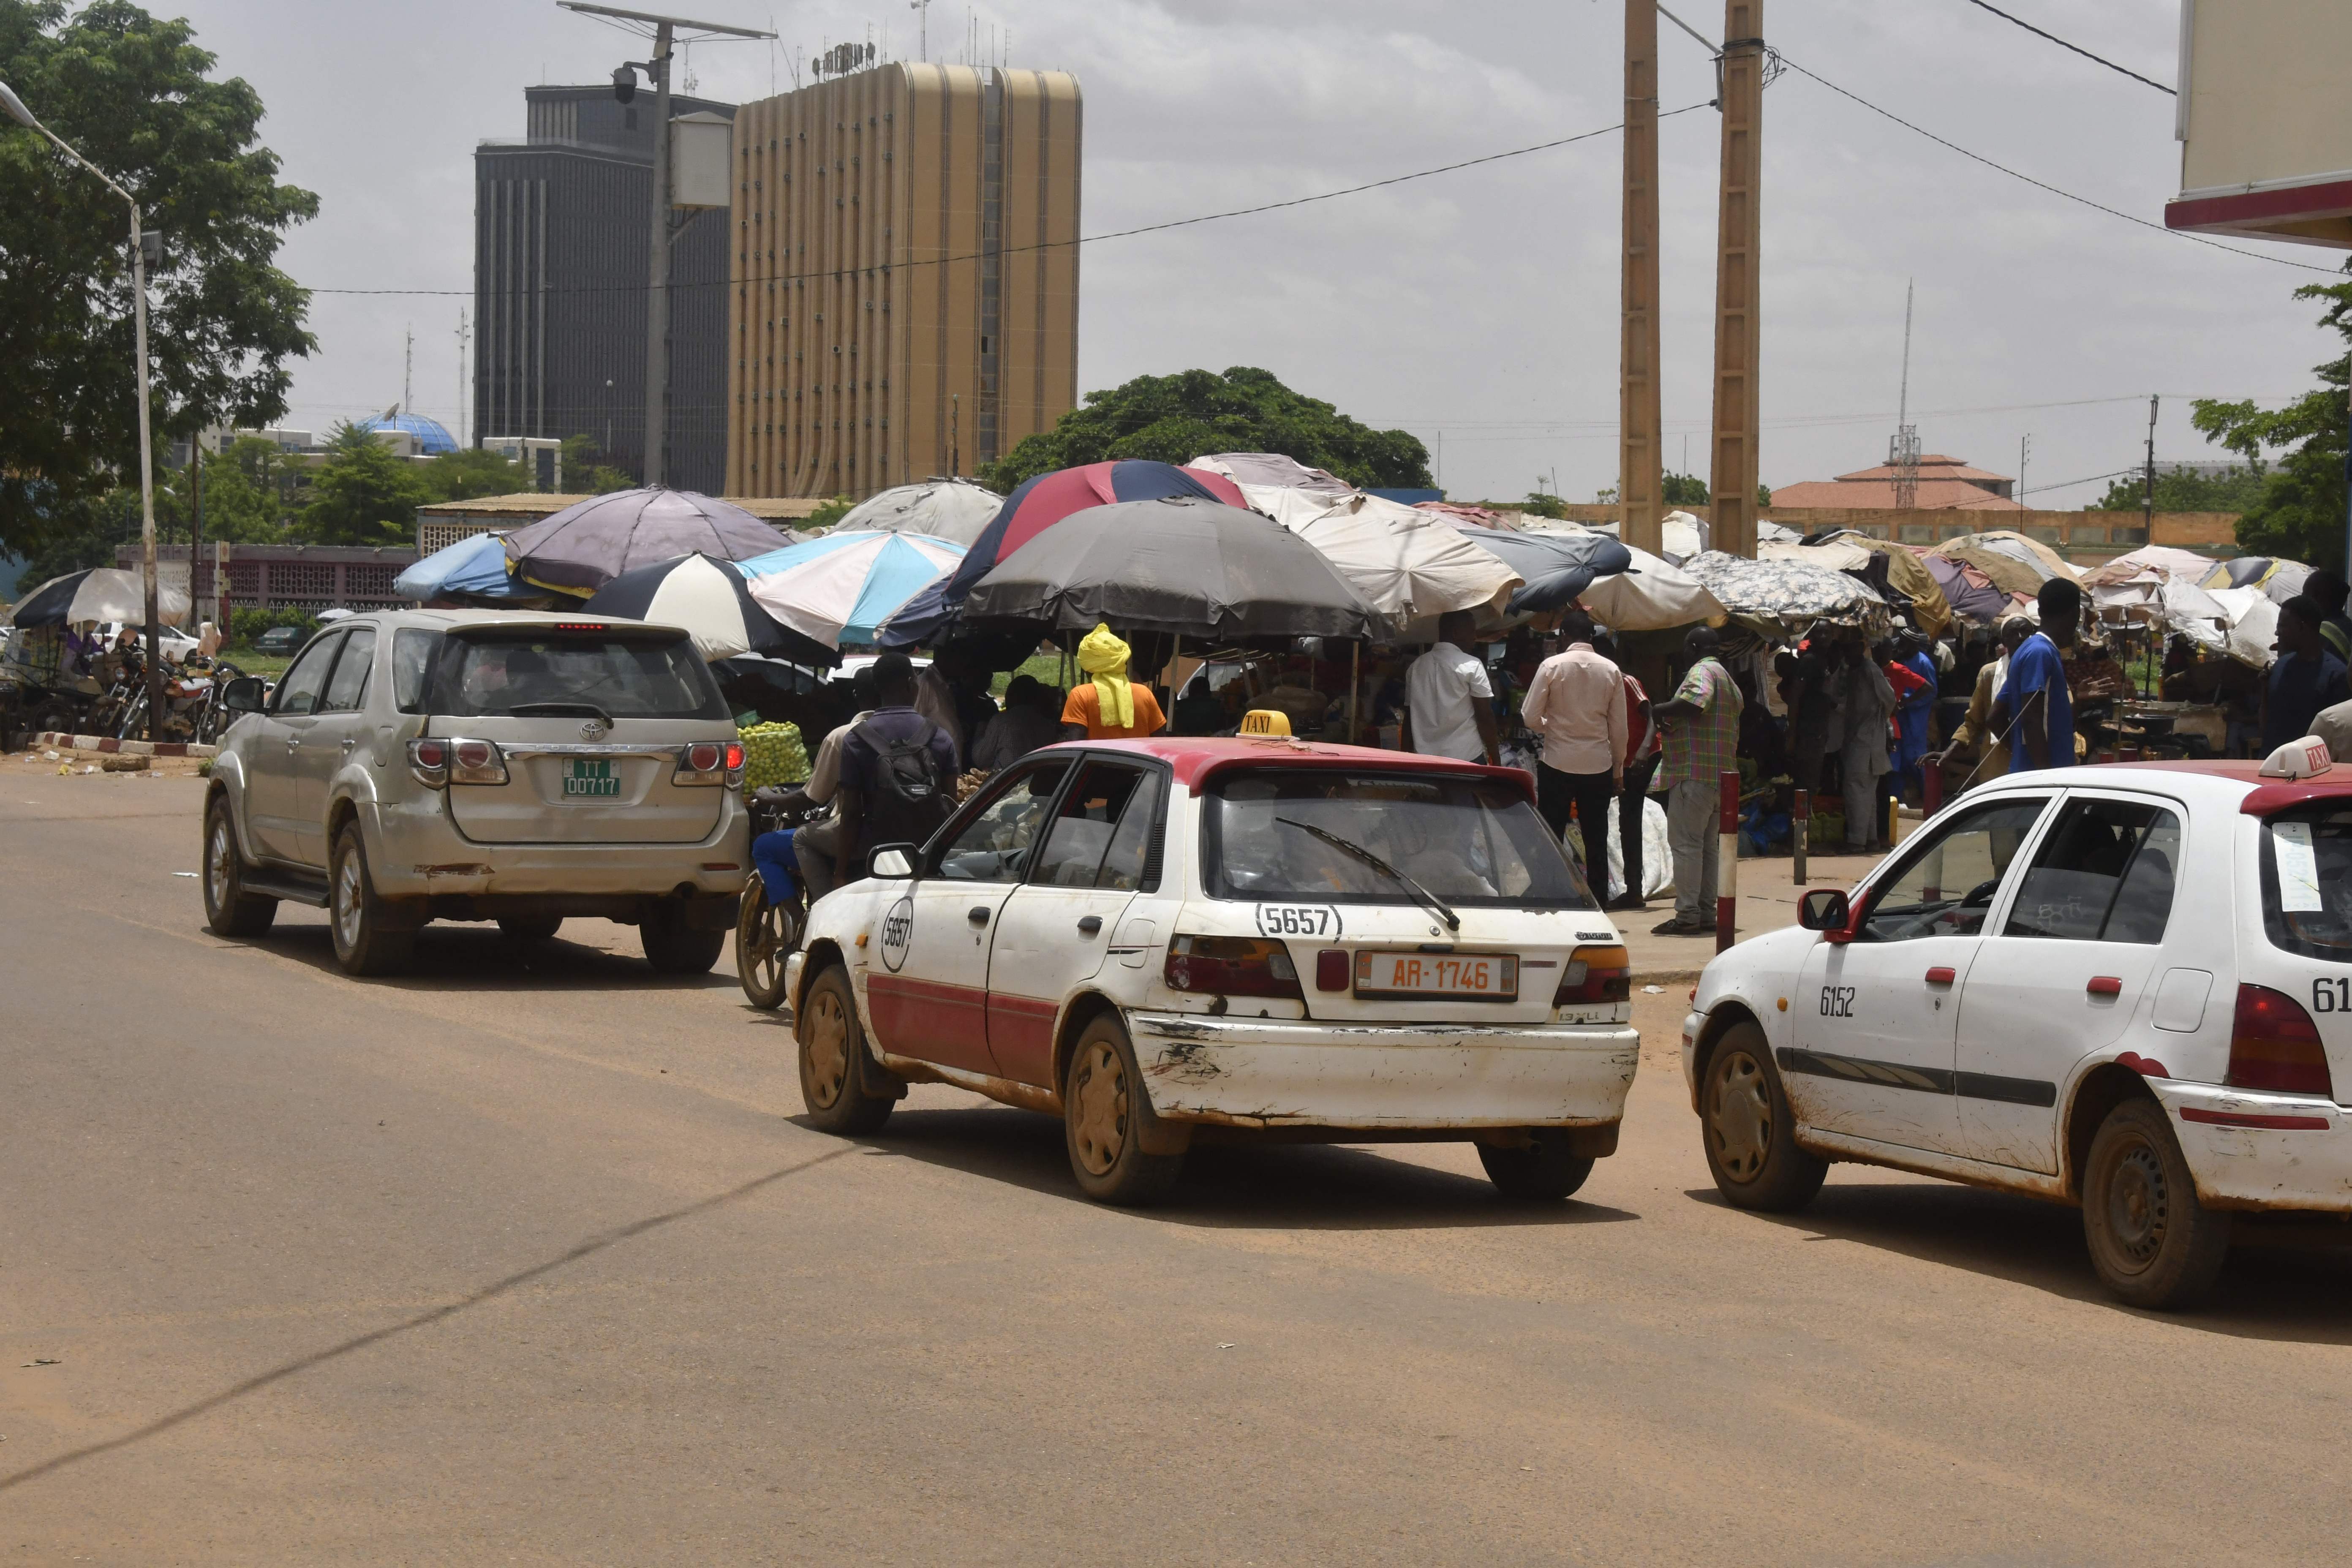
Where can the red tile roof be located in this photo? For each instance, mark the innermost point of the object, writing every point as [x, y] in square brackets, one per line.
[1933, 494]
[1932, 466]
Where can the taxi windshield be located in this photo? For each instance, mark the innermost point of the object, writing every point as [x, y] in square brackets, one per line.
[1466, 841]
[2307, 882]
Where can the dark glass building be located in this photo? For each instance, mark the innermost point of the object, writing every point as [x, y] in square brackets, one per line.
[561, 235]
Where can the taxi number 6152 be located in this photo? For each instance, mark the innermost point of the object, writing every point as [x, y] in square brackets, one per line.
[1297, 920]
[2331, 994]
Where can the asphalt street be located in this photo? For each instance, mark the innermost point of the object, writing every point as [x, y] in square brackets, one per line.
[528, 1258]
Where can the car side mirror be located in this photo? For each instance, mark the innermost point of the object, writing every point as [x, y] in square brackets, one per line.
[243, 695]
[893, 862]
[1823, 908]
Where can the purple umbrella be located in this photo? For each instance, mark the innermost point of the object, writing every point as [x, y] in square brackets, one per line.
[583, 547]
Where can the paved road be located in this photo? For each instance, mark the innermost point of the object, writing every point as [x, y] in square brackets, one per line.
[530, 1263]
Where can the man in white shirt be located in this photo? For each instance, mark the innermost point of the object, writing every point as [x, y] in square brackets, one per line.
[1577, 703]
[1449, 702]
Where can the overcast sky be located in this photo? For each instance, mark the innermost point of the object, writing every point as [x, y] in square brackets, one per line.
[1477, 309]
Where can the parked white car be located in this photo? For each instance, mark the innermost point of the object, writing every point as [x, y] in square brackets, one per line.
[1156, 939]
[2125, 987]
[482, 765]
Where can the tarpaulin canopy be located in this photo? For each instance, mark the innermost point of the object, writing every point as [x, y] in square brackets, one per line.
[2253, 624]
[1557, 567]
[952, 509]
[707, 598]
[2015, 564]
[1905, 574]
[473, 568]
[2276, 577]
[2162, 558]
[1407, 564]
[1966, 589]
[1272, 470]
[840, 587]
[1179, 564]
[99, 593]
[1651, 594]
[586, 545]
[1782, 599]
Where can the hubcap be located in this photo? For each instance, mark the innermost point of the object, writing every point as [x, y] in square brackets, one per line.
[347, 901]
[827, 1051]
[1739, 1117]
[2136, 1205]
[216, 863]
[1100, 1128]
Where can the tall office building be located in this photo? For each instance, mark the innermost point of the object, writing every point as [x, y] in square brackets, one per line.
[561, 227]
[905, 295]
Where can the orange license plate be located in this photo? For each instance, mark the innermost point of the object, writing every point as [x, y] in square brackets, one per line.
[1470, 976]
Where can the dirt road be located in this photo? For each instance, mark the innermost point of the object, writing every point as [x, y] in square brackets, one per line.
[524, 1258]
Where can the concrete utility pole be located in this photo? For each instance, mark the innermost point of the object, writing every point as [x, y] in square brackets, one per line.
[1640, 464]
[2148, 495]
[1738, 279]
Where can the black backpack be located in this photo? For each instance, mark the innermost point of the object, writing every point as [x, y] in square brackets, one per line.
[909, 797]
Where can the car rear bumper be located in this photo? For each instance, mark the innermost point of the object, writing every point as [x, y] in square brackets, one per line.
[1261, 1072]
[2250, 1150]
[420, 852]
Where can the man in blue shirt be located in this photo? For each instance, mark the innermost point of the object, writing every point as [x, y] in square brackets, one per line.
[2306, 678]
[2036, 700]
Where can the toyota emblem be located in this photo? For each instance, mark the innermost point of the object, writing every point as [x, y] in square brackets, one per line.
[592, 730]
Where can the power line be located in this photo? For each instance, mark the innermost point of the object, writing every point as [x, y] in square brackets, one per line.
[2077, 48]
[2044, 185]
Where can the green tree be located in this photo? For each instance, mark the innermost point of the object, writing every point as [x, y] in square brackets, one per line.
[1684, 490]
[134, 95]
[363, 493]
[1543, 503]
[832, 511]
[2299, 512]
[1175, 418]
[2185, 489]
[586, 473]
[471, 471]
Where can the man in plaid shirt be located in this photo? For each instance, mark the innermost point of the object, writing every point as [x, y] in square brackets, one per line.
[1701, 727]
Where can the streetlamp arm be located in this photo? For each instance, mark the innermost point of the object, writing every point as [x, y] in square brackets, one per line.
[24, 116]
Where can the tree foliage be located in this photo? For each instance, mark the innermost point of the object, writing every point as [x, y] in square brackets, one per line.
[1685, 489]
[2300, 510]
[362, 494]
[471, 471]
[133, 95]
[1175, 418]
[2185, 489]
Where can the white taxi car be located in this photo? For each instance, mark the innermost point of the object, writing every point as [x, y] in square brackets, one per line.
[1156, 939]
[2127, 987]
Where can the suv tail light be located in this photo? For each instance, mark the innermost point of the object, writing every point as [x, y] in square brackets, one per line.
[1595, 974]
[2274, 1045]
[1232, 966]
[477, 763]
[710, 763]
[429, 761]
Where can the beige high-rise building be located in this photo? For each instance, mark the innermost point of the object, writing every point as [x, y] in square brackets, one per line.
[905, 294]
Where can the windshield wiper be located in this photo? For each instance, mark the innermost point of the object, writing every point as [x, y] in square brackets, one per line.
[1423, 896]
[590, 709]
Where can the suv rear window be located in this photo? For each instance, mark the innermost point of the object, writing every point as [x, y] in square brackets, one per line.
[1469, 841]
[2307, 882]
[497, 674]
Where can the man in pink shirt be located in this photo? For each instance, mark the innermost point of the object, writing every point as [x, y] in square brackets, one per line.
[1577, 703]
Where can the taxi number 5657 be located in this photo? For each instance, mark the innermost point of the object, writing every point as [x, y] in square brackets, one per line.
[1297, 920]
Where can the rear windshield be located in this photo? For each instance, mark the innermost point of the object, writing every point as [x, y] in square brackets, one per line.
[2307, 882]
[1467, 840]
[533, 674]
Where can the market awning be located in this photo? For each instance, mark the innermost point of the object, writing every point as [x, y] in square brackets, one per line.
[1783, 599]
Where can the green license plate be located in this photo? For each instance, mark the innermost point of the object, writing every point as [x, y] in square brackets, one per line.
[589, 777]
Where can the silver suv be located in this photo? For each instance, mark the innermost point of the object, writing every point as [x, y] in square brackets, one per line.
[482, 765]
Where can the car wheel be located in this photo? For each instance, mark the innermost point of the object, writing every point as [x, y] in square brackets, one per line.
[229, 909]
[1543, 1170]
[537, 929]
[363, 945]
[832, 1047]
[765, 936]
[673, 947]
[2154, 1243]
[1103, 1111]
[1750, 1132]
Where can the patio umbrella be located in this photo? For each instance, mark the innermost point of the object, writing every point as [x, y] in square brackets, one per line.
[840, 587]
[1780, 599]
[1037, 505]
[1651, 594]
[585, 546]
[1409, 564]
[2185, 565]
[473, 568]
[1182, 564]
[99, 593]
[707, 597]
[952, 509]
[1555, 568]
[2278, 577]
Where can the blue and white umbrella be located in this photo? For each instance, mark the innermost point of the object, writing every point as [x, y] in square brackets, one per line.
[475, 567]
[841, 587]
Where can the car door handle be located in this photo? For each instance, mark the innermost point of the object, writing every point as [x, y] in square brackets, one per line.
[977, 914]
[2105, 985]
[1942, 975]
[1090, 926]
[349, 742]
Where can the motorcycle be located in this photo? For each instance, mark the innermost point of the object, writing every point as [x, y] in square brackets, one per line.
[767, 930]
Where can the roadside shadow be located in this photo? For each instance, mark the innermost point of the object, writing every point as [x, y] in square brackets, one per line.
[2274, 1287]
[1231, 1185]
[479, 957]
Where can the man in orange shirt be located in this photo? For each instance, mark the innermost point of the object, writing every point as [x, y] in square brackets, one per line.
[1111, 707]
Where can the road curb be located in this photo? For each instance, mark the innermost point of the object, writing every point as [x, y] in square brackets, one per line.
[64, 742]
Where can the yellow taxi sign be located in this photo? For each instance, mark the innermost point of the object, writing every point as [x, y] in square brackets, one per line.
[1265, 722]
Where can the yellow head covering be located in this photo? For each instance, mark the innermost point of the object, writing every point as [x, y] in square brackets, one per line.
[1104, 657]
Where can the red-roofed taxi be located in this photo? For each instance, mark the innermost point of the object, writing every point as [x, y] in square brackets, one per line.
[1158, 939]
[2126, 987]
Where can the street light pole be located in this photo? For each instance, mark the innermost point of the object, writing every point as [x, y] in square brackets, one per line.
[23, 116]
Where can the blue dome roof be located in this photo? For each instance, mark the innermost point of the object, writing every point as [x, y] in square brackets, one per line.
[433, 438]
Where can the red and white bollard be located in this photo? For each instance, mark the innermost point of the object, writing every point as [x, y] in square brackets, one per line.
[1931, 790]
[1726, 873]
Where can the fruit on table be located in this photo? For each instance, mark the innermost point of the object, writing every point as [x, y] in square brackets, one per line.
[773, 754]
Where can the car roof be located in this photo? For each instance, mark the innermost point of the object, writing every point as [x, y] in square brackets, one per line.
[1195, 760]
[2217, 783]
[465, 620]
